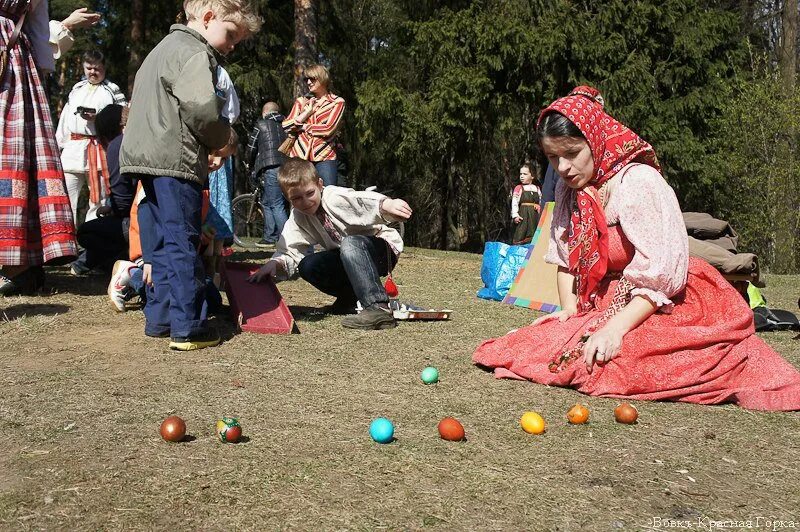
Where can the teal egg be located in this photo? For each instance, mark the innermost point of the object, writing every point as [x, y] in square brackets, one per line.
[430, 375]
[381, 430]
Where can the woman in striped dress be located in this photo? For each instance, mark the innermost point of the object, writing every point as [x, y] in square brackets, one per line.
[315, 118]
[36, 225]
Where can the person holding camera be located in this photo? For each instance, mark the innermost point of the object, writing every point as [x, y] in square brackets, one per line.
[82, 155]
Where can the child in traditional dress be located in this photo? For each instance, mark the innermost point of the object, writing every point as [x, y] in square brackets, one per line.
[525, 207]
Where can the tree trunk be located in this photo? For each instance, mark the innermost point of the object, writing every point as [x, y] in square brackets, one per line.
[788, 45]
[305, 41]
[136, 40]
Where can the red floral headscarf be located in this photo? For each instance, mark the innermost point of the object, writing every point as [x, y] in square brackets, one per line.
[613, 147]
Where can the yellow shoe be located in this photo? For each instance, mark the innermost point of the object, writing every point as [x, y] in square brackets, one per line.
[208, 338]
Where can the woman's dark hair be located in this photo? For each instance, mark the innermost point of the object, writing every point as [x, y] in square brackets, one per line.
[108, 123]
[554, 124]
[95, 57]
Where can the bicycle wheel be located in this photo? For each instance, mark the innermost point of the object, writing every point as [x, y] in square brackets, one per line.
[248, 220]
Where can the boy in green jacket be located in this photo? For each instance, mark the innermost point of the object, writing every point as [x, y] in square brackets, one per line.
[173, 126]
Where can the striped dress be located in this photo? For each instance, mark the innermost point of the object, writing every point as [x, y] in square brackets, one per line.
[317, 141]
[35, 216]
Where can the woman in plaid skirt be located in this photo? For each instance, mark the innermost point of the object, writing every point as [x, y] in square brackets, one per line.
[36, 224]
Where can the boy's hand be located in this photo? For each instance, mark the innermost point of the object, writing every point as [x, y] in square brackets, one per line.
[517, 219]
[270, 269]
[147, 274]
[207, 233]
[214, 162]
[396, 208]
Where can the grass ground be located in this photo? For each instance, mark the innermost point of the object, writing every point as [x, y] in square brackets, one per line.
[82, 393]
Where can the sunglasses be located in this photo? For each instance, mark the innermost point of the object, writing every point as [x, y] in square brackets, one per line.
[311, 80]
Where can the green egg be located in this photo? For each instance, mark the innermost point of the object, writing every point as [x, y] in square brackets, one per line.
[430, 375]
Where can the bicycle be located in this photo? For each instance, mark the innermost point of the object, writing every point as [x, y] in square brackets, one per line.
[248, 215]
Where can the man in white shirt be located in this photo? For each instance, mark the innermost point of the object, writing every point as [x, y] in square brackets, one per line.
[82, 156]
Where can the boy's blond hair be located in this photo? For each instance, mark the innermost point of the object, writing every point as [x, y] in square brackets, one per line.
[241, 12]
[297, 172]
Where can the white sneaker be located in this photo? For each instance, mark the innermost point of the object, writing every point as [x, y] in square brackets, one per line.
[118, 285]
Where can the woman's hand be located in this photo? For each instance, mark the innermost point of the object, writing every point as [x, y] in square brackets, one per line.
[517, 219]
[602, 346]
[270, 269]
[561, 315]
[80, 18]
[396, 208]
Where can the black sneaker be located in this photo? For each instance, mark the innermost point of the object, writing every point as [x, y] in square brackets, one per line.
[265, 244]
[371, 318]
[208, 338]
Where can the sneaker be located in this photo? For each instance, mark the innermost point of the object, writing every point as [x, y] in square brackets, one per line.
[371, 318]
[78, 270]
[263, 243]
[208, 338]
[118, 288]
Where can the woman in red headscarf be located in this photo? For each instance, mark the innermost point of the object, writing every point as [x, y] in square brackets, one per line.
[639, 319]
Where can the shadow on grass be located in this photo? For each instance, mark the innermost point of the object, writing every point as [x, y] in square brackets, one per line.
[16, 312]
[59, 280]
[310, 314]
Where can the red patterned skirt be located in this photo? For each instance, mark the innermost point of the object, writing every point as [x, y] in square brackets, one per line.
[36, 223]
[705, 352]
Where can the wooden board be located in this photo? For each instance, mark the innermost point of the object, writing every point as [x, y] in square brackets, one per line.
[257, 308]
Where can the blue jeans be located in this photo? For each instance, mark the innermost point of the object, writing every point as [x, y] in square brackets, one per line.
[213, 297]
[328, 171]
[352, 272]
[177, 302]
[273, 204]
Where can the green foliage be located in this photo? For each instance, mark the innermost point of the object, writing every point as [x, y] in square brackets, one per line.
[455, 116]
[755, 169]
[443, 96]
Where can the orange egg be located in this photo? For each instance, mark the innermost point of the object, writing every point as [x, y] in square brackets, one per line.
[578, 415]
[625, 413]
[450, 429]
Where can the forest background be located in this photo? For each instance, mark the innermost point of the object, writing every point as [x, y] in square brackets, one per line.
[442, 96]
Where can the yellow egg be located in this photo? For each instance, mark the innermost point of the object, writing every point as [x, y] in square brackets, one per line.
[532, 423]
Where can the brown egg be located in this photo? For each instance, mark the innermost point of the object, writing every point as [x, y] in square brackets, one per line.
[173, 429]
[625, 413]
[450, 429]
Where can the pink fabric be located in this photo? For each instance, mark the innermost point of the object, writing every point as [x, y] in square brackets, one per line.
[646, 208]
[705, 351]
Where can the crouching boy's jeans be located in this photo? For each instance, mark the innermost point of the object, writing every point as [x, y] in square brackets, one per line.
[352, 272]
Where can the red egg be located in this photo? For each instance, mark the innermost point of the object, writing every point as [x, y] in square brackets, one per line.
[625, 413]
[391, 288]
[450, 429]
[173, 429]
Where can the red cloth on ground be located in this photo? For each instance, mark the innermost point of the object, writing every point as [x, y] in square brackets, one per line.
[704, 352]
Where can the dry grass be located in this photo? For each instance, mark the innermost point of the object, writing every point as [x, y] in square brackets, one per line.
[82, 393]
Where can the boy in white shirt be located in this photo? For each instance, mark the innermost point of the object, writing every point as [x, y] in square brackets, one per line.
[359, 246]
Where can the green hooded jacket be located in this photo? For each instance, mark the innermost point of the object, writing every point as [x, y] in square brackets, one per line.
[174, 119]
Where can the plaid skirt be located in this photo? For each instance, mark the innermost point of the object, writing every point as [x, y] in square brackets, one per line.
[36, 223]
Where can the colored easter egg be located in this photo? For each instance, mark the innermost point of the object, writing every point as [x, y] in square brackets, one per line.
[229, 430]
[430, 375]
[532, 423]
[381, 430]
[451, 429]
[173, 429]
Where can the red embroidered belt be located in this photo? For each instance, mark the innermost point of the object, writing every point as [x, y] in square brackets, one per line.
[96, 155]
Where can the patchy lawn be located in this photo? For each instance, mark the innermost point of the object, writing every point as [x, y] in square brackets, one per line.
[82, 393]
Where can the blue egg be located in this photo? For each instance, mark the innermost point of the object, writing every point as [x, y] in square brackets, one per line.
[381, 430]
[430, 375]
